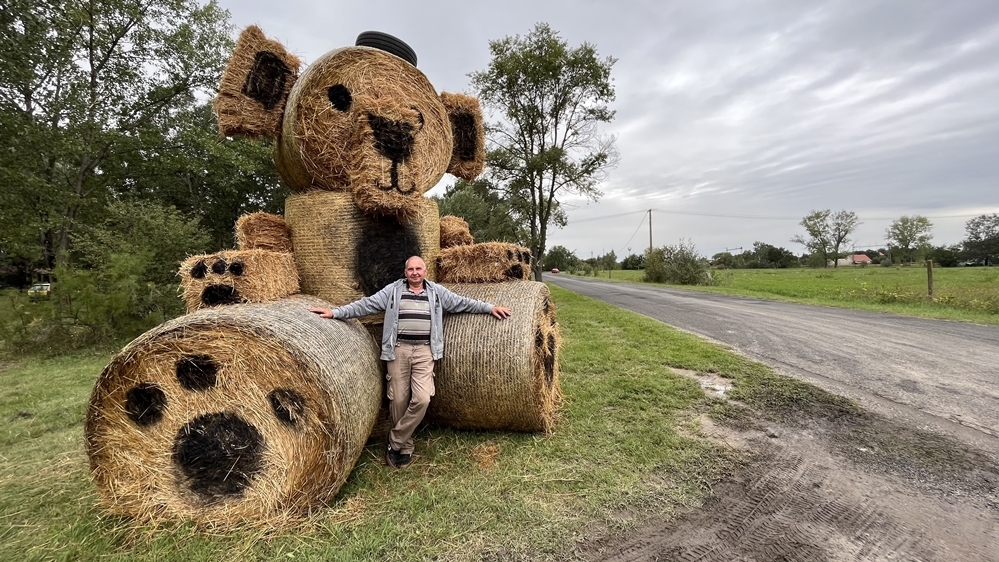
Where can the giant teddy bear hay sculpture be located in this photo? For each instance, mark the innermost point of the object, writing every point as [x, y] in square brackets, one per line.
[250, 408]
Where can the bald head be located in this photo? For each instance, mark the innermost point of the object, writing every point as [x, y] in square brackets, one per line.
[416, 272]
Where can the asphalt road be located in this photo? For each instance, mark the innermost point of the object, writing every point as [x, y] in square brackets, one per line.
[939, 375]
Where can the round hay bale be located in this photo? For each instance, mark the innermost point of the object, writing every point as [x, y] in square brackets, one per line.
[454, 232]
[263, 231]
[500, 374]
[252, 413]
[237, 276]
[343, 254]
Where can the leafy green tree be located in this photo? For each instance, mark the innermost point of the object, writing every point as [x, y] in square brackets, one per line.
[768, 256]
[819, 240]
[83, 83]
[487, 214]
[841, 225]
[723, 259]
[827, 233]
[982, 242]
[550, 99]
[633, 262]
[945, 256]
[201, 174]
[561, 258]
[907, 235]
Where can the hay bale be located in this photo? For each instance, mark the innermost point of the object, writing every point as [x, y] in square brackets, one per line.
[263, 231]
[469, 156]
[455, 232]
[237, 276]
[487, 262]
[253, 413]
[386, 136]
[500, 374]
[255, 85]
[343, 254]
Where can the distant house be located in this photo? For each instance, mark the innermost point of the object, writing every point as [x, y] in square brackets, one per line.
[860, 259]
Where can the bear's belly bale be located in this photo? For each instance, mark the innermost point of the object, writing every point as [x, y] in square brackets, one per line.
[343, 254]
[500, 374]
[244, 413]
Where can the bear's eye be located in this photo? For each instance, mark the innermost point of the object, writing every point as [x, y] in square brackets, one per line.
[340, 97]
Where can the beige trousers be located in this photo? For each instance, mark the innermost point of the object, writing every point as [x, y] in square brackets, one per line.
[410, 386]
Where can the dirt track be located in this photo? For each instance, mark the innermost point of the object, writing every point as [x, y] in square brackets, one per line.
[911, 482]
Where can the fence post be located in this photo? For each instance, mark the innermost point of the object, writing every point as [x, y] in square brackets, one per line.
[929, 277]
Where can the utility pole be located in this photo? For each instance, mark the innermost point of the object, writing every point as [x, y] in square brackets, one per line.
[650, 232]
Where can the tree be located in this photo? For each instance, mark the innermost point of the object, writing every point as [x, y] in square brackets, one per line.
[550, 99]
[768, 256]
[841, 225]
[561, 258]
[908, 234]
[982, 242]
[84, 85]
[819, 239]
[487, 214]
[827, 233]
[633, 262]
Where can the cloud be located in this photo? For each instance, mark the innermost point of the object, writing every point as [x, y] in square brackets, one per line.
[764, 109]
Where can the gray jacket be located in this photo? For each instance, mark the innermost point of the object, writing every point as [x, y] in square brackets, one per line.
[387, 300]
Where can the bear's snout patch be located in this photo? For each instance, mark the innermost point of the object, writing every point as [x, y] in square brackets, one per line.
[218, 455]
[220, 294]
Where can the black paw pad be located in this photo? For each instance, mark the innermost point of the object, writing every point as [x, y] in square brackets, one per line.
[288, 405]
[199, 270]
[218, 455]
[515, 272]
[525, 257]
[197, 372]
[219, 266]
[220, 294]
[237, 268]
[145, 403]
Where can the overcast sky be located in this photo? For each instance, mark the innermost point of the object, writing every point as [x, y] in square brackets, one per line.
[735, 118]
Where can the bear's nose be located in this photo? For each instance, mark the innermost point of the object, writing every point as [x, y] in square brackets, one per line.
[218, 454]
[393, 139]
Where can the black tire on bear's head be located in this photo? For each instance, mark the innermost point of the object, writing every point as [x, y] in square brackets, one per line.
[387, 43]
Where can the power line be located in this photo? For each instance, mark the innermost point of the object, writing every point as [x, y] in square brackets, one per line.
[755, 217]
[640, 223]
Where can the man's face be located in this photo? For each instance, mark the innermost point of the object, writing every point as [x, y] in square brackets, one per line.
[416, 270]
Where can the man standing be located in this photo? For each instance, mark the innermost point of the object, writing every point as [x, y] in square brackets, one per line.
[412, 340]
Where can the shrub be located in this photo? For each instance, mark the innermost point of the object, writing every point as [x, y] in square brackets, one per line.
[678, 265]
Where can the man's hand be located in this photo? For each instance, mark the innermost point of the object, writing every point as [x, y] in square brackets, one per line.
[322, 312]
[500, 312]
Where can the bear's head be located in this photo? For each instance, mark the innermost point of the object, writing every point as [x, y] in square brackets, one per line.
[362, 119]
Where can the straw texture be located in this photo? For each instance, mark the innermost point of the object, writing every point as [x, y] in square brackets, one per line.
[500, 375]
[386, 137]
[455, 232]
[253, 413]
[343, 254]
[254, 87]
[263, 231]
[469, 156]
[237, 276]
[487, 262]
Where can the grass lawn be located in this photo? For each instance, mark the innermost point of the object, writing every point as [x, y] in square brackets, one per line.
[968, 294]
[627, 450]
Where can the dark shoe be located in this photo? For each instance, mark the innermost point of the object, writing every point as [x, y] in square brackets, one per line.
[397, 459]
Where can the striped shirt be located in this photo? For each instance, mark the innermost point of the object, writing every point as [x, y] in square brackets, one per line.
[414, 317]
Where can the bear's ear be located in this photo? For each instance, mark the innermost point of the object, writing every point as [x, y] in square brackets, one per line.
[255, 86]
[469, 155]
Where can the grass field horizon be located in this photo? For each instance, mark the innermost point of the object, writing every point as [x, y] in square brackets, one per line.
[967, 294]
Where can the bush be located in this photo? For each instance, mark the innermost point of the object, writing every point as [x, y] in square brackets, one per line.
[677, 265]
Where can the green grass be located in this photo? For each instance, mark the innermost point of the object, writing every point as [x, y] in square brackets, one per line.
[969, 294]
[625, 451]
